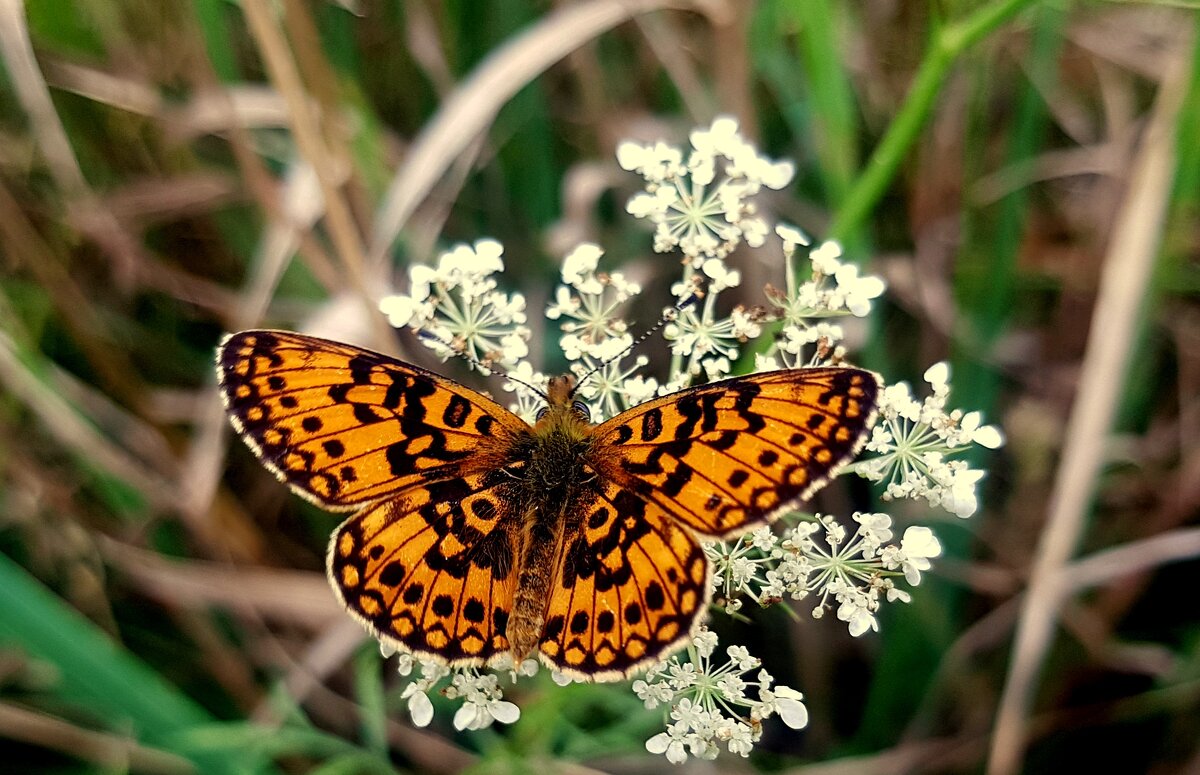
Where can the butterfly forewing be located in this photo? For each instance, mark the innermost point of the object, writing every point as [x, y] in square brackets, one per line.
[345, 426]
[628, 588]
[727, 456]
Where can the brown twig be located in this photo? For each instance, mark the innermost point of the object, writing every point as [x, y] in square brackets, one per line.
[467, 112]
[1126, 272]
[106, 751]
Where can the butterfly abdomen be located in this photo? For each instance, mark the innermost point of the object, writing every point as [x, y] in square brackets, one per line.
[539, 545]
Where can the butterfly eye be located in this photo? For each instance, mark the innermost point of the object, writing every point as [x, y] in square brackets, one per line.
[582, 410]
[541, 412]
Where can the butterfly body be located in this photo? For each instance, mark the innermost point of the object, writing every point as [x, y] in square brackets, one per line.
[550, 466]
[477, 535]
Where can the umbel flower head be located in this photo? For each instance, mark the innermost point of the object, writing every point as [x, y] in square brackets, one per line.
[704, 204]
[917, 441]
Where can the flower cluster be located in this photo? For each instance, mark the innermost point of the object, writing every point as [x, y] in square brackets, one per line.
[457, 310]
[595, 338]
[814, 558]
[482, 699]
[806, 308]
[915, 440]
[713, 705]
[588, 304]
[703, 205]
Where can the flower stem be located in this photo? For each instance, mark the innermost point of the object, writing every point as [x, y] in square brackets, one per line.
[948, 43]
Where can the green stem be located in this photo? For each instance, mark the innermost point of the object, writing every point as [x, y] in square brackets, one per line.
[948, 43]
[864, 193]
[369, 689]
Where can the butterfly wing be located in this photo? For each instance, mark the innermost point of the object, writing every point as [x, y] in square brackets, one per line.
[725, 457]
[344, 426]
[628, 588]
[432, 570]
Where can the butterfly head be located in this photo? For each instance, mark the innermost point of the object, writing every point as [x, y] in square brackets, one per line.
[562, 410]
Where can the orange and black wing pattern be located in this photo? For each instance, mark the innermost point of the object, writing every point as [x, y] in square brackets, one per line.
[629, 587]
[432, 570]
[428, 562]
[346, 426]
[726, 457]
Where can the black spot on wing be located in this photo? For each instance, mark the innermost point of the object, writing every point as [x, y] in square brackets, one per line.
[457, 411]
[652, 424]
[473, 611]
[392, 573]
[443, 606]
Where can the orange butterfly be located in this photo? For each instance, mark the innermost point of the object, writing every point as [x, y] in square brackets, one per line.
[477, 535]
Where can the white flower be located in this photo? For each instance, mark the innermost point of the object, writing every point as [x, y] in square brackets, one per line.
[699, 336]
[765, 362]
[655, 162]
[792, 237]
[465, 260]
[613, 385]
[858, 616]
[703, 206]
[740, 737]
[856, 291]
[639, 389]
[958, 496]
[938, 377]
[916, 442]
[705, 642]
[513, 347]
[805, 308]
[482, 703]
[579, 268]
[716, 368]
[565, 303]
[458, 309]
[419, 708]
[824, 258]
[480, 714]
[721, 277]
[398, 309]
[670, 743]
[790, 707]
[917, 546]
[852, 573]
[988, 436]
[588, 304]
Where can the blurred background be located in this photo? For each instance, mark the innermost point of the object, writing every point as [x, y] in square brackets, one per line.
[1025, 175]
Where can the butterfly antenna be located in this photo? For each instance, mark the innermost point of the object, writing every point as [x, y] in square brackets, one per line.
[668, 315]
[471, 359]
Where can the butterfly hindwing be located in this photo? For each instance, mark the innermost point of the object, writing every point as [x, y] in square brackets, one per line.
[346, 426]
[629, 587]
[432, 570]
[724, 457]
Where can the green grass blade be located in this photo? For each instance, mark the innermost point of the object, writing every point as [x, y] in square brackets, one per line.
[95, 673]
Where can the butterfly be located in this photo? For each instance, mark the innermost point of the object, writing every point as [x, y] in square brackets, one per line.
[477, 536]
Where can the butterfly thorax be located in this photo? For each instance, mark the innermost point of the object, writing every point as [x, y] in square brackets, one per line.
[555, 473]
